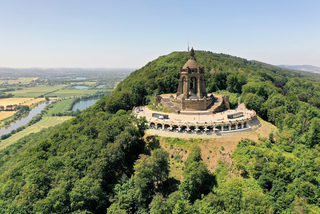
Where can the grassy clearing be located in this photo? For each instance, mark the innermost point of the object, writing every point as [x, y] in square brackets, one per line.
[44, 123]
[22, 80]
[59, 106]
[36, 91]
[182, 143]
[178, 152]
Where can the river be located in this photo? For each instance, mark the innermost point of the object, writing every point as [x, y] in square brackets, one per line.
[80, 87]
[83, 104]
[24, 120]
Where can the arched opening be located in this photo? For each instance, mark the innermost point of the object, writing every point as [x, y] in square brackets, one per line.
[201, 129]
[152, 126]
[167, 127]
[233, 127]
[183, 128]
[245, 125]
[225, 127]
[193, 85]
[159, 126]
[217, 128]
[175, 128]
[192, 128]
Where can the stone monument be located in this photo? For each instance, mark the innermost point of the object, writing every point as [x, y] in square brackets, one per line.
[191, 83]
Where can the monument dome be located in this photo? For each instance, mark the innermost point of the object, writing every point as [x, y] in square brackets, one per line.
[191, 63]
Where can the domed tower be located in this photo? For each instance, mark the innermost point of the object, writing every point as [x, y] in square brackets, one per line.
[191, 83]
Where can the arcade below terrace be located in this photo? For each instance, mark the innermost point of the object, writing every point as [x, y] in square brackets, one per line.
[201, 122]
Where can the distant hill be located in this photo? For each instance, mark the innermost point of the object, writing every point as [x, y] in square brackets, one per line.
[306, 68]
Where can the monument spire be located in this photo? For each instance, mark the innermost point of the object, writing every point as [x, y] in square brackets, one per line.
[192, 54]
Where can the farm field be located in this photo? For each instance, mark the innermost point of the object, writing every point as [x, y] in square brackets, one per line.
[20, 101]
[12, 101]
[72, 92]
[85, 83]
[45, 122]
[35, 91]
[6, 114]
[22, 80]
[59, 106]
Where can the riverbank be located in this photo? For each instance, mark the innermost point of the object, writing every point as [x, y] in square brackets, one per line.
[8, 117]
[46, 110]
[45, 122]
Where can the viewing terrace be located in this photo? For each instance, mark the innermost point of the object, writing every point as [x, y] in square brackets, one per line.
[200, 122]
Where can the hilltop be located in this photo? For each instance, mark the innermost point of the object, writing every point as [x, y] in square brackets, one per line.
[101, 160]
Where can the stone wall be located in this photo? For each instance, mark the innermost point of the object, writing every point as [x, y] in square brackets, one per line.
[157, 100]
[221, 104]
[191, 105]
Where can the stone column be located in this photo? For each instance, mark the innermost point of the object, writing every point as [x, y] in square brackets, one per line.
[222, 127]
[180, 87]
[186, 87]
[229, 126]
[236, 126]
[198, 88]
[242, 125]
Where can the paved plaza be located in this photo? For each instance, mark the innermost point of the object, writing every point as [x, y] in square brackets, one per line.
[199, 116]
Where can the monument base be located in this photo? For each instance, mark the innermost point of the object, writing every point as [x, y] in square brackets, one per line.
[192, 104]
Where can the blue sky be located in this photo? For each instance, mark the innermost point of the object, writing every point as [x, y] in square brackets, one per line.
[129, 34]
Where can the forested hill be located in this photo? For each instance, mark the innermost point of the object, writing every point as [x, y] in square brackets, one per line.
[100, 162]
[222, 72]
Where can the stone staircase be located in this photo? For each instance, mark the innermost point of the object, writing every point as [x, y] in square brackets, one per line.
[170, 105]
[216, 107]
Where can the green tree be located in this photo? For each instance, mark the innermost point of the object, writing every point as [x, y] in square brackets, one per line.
[312, 137]
[159, 205]
[231, 193]
[253, 101]
[197, 179]
[235, 82]
[138, 93]
[151, 170]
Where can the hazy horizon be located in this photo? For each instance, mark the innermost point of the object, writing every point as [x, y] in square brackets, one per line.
[117, 34]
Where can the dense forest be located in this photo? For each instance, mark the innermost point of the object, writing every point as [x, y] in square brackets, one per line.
[100, 161]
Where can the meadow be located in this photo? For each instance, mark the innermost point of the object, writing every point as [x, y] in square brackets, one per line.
[59, 107]
[42, 124]
[72, 92]
[20, 80]
[35, 91]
